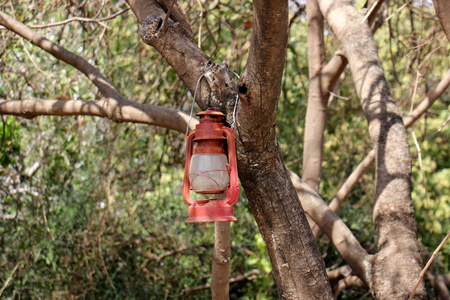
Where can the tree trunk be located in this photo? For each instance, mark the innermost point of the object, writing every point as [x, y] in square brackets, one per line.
[298, 268]
[442, 8]
[297, 265]
[397, 265]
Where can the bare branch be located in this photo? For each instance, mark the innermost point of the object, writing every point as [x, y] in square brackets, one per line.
[114, 107]
[348, 282]
[104, 86]
[79, 19]
[317, 99]
[11, 274]
[322, 79]
[339, 273]
[362, 168]
[439, 285]
[428, 265]
[176, 12]
[117, 112]
[335, 229]
[334, 68]
[393, 212]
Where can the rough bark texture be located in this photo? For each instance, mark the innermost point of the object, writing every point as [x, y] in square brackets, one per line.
[298, 268]
[365, 164]
[397, 264]
[297, 265]
[442, 8]
[180, 51]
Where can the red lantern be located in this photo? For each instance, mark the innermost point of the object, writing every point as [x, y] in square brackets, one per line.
[211, 170]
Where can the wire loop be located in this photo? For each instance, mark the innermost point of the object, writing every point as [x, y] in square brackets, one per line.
[233, 125]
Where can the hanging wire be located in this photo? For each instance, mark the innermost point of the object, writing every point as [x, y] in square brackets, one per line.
[193, 101]
[239, 77]
[233, 125]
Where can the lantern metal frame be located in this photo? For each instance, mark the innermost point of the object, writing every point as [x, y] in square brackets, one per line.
[210, 134]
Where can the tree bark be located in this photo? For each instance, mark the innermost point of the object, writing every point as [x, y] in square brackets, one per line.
[127, 111]
[298, 268]
[114, 106]
[297, 265]
[220, 273]
[322, 79]
[364, 165]
[335, 229]
[317, 99]
[442, 8]
[398, 262]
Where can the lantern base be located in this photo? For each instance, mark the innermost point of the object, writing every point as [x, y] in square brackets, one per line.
[211, 211]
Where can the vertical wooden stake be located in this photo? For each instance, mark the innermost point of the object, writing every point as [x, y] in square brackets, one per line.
[221, 261]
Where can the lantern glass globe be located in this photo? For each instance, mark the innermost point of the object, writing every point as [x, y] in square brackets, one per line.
[208, 173]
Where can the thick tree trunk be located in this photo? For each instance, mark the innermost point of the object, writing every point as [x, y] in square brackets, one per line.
[297, 264]
[442, 8]
[396, 266]
[298, 268]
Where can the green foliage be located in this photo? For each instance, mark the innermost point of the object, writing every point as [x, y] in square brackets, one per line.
[431, 192]
[9, 146]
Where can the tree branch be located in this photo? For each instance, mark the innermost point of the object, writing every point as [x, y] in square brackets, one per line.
[362, 168]
[335, 229]
[393, 212]
[177, 14]
[114, 107]
[185, 57]
[317, 99]
[94, 75]
[430, 261]
[337, 64]
[322, 79]
[346, 283]
[261, 80]
[126, 112]
[74, 19]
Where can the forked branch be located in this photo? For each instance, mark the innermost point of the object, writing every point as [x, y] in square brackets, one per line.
[115, 106]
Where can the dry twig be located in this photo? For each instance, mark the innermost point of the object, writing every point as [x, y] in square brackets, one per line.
[428, 264]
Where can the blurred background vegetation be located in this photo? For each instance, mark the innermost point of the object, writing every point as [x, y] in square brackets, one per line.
[93, 210]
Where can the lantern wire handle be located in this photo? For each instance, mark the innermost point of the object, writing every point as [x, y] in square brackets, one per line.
[193, 101]
[233, 125]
